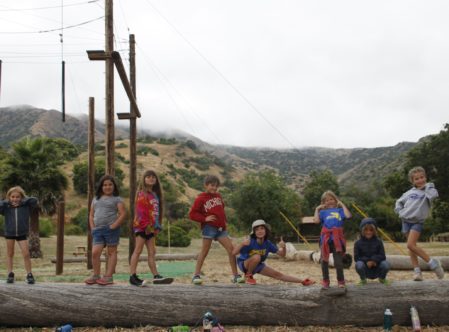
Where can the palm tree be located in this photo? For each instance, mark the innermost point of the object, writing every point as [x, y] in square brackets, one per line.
[34, 164]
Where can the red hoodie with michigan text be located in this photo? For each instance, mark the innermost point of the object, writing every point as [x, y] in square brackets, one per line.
[208, 204]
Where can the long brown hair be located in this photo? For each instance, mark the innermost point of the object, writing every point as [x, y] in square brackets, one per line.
[157, 189]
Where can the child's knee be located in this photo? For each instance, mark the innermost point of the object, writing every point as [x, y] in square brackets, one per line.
[411, 246]
[256, 258]
[359, 266]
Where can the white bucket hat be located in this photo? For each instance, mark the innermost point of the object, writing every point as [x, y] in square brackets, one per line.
[259, 222]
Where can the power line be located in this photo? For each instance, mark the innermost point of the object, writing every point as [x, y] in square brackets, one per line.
[252, 106]
[52, 30]
[43, 8]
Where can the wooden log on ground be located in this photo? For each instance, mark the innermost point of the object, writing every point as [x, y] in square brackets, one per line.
[401, 262]
[50, 304]
[142, 258]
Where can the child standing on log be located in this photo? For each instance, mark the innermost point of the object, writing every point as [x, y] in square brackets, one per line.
[208, 210]
[369, 254]
[331, 213]
[413, 208]
[16, 209]
[106, 215]
[147, 224]
[255, 249]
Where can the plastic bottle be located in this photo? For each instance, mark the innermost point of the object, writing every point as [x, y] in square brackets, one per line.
[208, 320]
[64, 328]
[388, 320]
[416, 324]
[179, 328]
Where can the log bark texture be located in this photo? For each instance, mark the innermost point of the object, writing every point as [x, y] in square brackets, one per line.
[401, 262]
[50, 304]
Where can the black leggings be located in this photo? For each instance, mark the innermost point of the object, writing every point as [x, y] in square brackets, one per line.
[338, 264]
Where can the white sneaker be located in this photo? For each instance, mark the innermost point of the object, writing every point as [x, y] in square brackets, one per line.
[417, 276]
[439, 270]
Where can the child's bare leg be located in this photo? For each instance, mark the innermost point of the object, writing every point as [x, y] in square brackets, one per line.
[10, 254]
[415, 251]
[96, 255]
[251, 263]
[269, 272]
[112, 260]
[202, 255]
[151, 249]
[140, 242]
[227, 244]
[26, 254]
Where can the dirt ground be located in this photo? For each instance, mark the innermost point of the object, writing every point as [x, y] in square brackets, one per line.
[215, 270]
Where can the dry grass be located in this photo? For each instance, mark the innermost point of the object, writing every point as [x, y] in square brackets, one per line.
[44, 270]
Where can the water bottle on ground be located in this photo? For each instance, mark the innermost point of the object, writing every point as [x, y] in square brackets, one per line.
[64, 328]
[416, 324]
[388, 320]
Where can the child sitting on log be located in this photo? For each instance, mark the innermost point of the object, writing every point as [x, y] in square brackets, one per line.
[255, 249]
[369, 254]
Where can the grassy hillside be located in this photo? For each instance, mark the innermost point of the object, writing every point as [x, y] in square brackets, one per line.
[185, 166]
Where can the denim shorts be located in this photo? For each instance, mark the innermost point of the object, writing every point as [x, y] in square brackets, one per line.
[241, 265]
[212, 232]
[106, 236]
[408, 226]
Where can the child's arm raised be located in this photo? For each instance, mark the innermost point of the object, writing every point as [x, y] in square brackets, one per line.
[348, 214]
[121, 214]
[316, 215]
[282, 250]
[237, 248]
[430, 191]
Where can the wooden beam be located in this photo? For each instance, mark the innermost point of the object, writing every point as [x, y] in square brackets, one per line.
[124, 78]
[142, 258]
[50, 304]
[125, 116]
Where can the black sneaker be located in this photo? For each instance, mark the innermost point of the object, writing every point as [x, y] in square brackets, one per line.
[135, 280]
[30, 278]
[10, 279]
[158, 279]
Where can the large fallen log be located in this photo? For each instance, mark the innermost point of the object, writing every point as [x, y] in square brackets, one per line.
[49, 304]
[142, 258]
[401, 262]
[397, 262]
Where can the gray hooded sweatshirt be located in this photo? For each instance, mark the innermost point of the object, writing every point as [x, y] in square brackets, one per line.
[414, 205]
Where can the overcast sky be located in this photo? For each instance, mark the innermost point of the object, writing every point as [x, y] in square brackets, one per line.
[276, 73]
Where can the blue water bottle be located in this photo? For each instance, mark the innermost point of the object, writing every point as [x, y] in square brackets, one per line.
[64, 328]
[388, 320]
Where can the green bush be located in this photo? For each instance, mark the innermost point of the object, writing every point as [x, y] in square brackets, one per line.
[178, 237]
[121, 145]
[46, 227]
[80, 220]
[72, 229]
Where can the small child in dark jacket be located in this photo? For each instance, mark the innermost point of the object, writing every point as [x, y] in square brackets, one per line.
[369, 254]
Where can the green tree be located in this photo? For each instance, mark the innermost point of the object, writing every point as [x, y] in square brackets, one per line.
[34, 164]
[263, 196]
[80, 175]
[320, 181]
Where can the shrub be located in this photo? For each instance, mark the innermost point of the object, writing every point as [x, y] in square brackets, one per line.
[178, 237]
[121, 145]
[81, 220]
[46, 227]
[72, 229]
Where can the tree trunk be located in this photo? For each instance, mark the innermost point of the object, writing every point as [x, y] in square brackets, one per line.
[46, 304]
[34, 240]
[401, 262]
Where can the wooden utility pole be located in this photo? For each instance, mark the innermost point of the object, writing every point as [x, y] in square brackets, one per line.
[60, 239]
[132, 143]
[110, 132]
[91, 175]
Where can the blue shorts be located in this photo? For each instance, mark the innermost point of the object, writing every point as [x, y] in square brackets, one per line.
[241, 265]
[407, 227]
[106, 236]
[212, 232]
